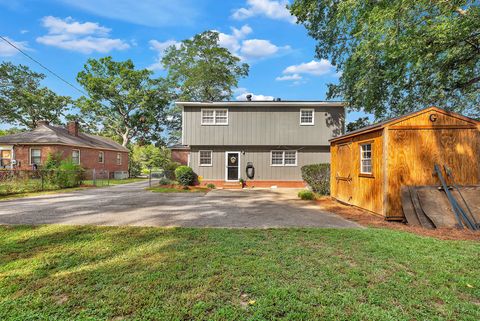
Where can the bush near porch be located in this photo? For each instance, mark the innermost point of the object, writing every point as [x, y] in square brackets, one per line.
[317, 176]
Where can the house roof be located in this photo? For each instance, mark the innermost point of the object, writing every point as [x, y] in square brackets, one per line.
[179, 146]
[394, 120]
[53, 135]
[263, 103]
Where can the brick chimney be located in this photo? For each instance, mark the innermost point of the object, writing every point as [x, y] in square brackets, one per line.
[73, 127]
[42, 123]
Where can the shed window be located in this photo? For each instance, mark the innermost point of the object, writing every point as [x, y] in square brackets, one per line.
[307, 117]
[214, 117]
[205, 158]
[366, 158]
[101, 157]
[76, 156]
[119, 159]
[35, 156]
[283, 158]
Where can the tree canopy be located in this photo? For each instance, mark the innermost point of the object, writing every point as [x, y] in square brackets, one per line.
[24, 102]
[358, 124]
[199, 69]
[396, 56]
[127, 103]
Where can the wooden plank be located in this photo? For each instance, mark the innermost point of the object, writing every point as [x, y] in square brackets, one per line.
[407, 206]
[425, 221]
[437, 208]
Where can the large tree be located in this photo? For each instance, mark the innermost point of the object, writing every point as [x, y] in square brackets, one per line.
[23, 101]
[199, 69]
[126, 103]
[397, 56]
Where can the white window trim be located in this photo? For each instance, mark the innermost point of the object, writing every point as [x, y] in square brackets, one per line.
[361, 158]
[30, 155]
[79, 155]
[103, 157]
[313, 117]
[214, 117]
[283, 158]
[121, 159]
[211, 158]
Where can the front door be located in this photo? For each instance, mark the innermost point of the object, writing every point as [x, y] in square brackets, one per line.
[232, 170]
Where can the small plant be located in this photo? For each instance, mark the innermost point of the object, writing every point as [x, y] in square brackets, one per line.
[306, 195]
[185, 175]
[211, 186]
[164, 181]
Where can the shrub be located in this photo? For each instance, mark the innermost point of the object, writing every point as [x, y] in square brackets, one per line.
[306, 195]
[63, 173]
[169, 170]
[164, 181]
[317, 177]
[211, 186]
[185, 175]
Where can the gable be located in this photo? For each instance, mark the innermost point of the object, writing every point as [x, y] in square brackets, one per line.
[434, 118]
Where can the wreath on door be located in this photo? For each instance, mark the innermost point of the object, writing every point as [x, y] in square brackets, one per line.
[233, 159]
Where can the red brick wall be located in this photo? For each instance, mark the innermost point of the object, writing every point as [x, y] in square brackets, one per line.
[180, 156]
[88, 157]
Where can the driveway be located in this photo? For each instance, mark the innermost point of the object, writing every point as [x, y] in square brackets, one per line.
[131, 204]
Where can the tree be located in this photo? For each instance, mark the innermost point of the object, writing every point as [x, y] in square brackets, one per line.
[10, 131]
[358, 124]
[150, 156]
[23, 101]
[398, 56]
[127, 103]
[199, 69]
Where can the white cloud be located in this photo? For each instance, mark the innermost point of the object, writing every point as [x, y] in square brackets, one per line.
[289, 77]
[160, 48]
[6, 50]
[248, 49]
[84, 37]
[243, 92]
[315, 68]
[272, 9]
[153, 13]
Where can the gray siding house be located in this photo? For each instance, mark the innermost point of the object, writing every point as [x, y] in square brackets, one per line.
[276, 138]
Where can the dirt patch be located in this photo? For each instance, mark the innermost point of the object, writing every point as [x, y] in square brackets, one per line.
[366, 218]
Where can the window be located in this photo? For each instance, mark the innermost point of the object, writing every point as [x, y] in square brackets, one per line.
[101, 157]
[307, 117]
[5, 158]
[214, 117]
[119, 158]
[366, 158]
[283, 158]
[35, 156]
[205, 158]
[76, 156]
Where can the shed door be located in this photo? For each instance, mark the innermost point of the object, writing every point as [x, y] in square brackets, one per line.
[344, 174]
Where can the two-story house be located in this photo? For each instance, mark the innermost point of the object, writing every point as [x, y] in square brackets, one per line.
[263, 142]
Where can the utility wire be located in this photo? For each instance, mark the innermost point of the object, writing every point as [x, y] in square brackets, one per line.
[43, 66]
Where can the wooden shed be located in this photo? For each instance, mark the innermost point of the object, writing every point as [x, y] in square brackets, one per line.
[369, 166]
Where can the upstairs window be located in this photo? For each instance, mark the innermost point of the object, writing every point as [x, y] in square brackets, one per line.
[366, 158]
[35, 156]
[283, 158]
[76, 156]
[307, 117]
[214, 117]
[101, 157]
[205, 158]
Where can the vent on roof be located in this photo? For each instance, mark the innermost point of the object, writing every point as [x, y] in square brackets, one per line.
[249, 97]
[277, 99]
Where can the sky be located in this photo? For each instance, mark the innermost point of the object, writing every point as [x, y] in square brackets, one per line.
[63, 34]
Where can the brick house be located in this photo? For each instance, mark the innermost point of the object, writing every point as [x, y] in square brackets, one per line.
[29, 150]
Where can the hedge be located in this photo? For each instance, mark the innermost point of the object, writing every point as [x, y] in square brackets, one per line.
[185, 175]
[317, 177]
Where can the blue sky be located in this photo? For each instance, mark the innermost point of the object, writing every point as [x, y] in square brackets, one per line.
[64, 34]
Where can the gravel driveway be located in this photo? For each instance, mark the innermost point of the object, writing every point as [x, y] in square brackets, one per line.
[131, 204]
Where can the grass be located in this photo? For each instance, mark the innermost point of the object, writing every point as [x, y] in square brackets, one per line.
[48, 192]
[116, 181]
[99, 273]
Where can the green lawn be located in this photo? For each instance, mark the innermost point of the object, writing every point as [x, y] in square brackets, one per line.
[99, 273]
[103, 182]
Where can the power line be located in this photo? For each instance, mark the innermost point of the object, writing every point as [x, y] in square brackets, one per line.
[43, 66]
